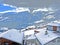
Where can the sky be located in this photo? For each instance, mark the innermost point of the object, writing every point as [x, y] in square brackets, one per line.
[33, 3]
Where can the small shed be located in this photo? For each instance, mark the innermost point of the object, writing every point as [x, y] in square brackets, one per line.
[53, 26]
[11, 37]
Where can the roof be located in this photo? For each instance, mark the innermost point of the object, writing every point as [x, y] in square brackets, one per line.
[28, 32]
[43, 39]
[54, 24]
[30, 27]
[13, 35]
[31, 37]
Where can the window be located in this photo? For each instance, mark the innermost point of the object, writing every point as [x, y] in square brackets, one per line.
[58, 40]
[54, 41]
[6, 43]
[55, 28]
[59, 27]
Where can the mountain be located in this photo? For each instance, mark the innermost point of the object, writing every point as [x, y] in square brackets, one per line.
[48, 16]
[4, 7]
[18, 18]
[24, 19]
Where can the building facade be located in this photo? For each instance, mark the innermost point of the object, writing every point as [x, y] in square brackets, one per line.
[53, 26]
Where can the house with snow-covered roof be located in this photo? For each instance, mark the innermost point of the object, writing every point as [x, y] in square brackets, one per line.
[49, 39]
[11, 37]
[53, 26]
[31, 39]
[49, 36]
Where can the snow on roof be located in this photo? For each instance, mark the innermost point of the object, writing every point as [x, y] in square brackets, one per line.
[30, 27]
[31, 37]
[57, 21]
[29, 32]
[43, 39]
[13, 35]
[54, 24]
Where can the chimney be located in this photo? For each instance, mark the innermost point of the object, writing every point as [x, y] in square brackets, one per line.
[46, 32]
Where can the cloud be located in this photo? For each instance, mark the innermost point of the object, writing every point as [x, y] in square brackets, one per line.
[43, 9]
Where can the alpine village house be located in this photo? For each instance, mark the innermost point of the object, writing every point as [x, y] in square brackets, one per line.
[48, 36]
[11, 37]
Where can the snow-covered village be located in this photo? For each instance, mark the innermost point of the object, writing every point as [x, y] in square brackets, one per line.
[29, 22]
[49, 35]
